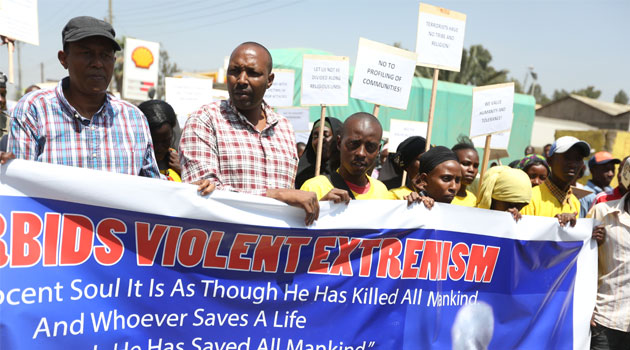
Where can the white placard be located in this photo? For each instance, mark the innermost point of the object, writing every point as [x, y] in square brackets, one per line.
[497, 141]
[625, 173]
[400, 130]
[280, 94]
[325, 80]
[302, 136]
[18, 20]
[440, 37]
[140, 70]
[298, 116]
[383, 74]
[186, 95]
[492, 109]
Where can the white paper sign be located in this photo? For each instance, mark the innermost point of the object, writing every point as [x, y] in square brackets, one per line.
[18, 20]
[186, 95]
[325, 80]
[140, 70]
[492, 109]
[383, 74]
[298, 116]
[440, 37]
[280, 94]
[400, 130]
[497, 141]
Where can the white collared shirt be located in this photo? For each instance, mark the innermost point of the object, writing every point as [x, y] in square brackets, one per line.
[612, 308]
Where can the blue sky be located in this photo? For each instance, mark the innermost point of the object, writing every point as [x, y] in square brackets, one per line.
[570, 44]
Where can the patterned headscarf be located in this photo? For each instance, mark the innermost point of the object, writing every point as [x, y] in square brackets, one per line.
[533, 159]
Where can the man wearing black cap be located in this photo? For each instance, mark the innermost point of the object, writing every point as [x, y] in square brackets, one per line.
[553, 198]
[78, 123]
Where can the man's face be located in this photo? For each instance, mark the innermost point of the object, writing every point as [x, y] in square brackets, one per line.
[603, 173]
[469, 162]
[566, 166]
[3, 99]
[443, 182]
[90, 64]
[359, 146]
[248, 77]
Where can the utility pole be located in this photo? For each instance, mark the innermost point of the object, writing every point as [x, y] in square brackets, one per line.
[41, 71]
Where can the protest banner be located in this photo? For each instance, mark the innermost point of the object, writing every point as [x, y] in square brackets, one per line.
[140, 69]
[186, 95]
[383, 74]
[492, 112]
[439, 45]
[299, 118]
[139, 264]
[399, 130]
[324, 82]
[18, 21]
[280, 94]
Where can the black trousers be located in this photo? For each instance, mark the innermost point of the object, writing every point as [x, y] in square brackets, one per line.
[603, 338]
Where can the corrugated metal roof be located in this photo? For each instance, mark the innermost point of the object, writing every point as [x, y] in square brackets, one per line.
[610, 108]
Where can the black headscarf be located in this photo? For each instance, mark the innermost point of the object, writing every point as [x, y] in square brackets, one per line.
[437, 155]
[408, 151]
[306, 166]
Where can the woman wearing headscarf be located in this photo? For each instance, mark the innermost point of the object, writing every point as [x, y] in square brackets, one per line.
[162, 119]
[439, 175]
[330, 152]
[536, 168]
[407, 158]
[505, 189]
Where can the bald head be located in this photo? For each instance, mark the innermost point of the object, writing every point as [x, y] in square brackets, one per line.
[262, 53]
[364, 121]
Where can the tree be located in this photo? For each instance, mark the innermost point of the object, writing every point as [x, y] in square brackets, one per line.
[621, 97]
[475, 69]
[167, 69]
[589, 92]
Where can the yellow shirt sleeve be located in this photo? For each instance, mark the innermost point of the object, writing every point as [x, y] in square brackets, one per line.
[318, 184]
[400, 192]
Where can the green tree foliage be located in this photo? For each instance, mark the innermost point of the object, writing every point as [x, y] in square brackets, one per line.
[589, 92]
[475, 69]
[621, 97]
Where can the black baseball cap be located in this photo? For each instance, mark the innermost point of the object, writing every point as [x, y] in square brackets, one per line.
[85, 26]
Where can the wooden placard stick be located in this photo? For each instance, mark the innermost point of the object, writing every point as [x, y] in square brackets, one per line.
[376, 109]
[486, 159]
[318, 160]
[10, 48]
[436, 72]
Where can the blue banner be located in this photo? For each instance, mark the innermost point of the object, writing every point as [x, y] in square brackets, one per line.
[75, 272]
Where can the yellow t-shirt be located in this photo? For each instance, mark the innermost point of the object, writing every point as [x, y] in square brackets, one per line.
[171, 175]
[544, 203]
[321, 186]
[400, 192]
[469, 201]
